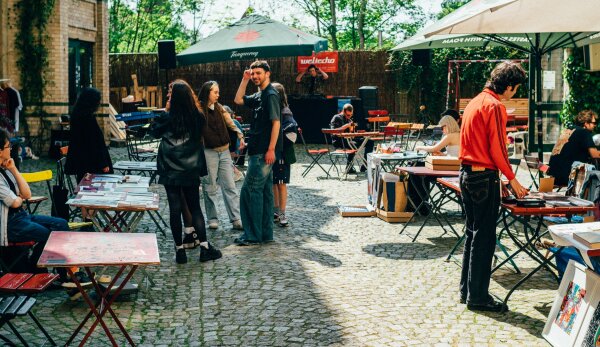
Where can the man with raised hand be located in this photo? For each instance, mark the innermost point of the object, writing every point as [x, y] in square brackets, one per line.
[256, 196]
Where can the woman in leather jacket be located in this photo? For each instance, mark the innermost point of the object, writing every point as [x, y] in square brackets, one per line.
[181, 163]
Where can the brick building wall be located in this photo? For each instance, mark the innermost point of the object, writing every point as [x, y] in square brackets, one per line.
[84, 20]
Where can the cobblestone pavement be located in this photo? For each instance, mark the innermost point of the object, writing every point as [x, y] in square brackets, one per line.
[327, 280]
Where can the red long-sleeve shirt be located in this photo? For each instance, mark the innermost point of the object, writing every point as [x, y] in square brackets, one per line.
[483, 134]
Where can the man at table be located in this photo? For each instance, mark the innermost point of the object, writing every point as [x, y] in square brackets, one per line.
[312, 79]
[575, 144]
[483, 157]
[343, 122]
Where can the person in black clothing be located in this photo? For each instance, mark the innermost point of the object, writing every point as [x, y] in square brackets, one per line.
[343, 121]
[181, 163]
[87, 151]
[312, 79]
[574, 144]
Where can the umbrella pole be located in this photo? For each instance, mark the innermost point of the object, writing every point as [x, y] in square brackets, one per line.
[537, 58]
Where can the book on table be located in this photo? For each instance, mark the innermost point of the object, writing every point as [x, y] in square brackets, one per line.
[589, 238]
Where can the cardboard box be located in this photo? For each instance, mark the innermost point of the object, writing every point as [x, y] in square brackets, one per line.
[438, 167]
[394, 217]
[442, 163]
[356, 211]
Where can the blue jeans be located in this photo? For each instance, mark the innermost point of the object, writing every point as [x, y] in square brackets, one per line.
[23, 227]
[256, 200]
[480, 193]
[220, 173]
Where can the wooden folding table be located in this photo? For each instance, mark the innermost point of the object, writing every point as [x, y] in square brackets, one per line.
[126, 251]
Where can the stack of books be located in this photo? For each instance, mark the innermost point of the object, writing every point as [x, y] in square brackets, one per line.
[590, 239]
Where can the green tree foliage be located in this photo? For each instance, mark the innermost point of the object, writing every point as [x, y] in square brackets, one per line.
[433, 82]
[136, 25]
[584, 86]
[355, 24]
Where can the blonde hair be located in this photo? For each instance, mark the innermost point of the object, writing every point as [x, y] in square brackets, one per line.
[450, 123]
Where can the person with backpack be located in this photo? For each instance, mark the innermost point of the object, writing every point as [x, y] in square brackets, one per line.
[283, 165]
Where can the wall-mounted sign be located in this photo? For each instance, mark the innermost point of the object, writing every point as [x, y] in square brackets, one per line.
[325, 61]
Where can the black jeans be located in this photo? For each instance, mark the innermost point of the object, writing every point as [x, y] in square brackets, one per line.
[191, 196]
[480, 192]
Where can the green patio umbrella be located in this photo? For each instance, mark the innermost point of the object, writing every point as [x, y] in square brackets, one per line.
[252, 37]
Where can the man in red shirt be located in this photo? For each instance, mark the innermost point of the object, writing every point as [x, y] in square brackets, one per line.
[483, 158]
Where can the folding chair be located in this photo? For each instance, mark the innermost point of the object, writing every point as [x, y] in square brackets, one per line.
[516, 162]
[19, 302]
[33, 177]
[535, 167]
[314, 155]
[336, 154]
[378, 116]
[138, 145]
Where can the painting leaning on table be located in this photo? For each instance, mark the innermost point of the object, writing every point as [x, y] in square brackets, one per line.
[570, 307]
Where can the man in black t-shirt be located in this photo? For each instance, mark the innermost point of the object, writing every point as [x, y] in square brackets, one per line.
[256, 196]
[575, 144]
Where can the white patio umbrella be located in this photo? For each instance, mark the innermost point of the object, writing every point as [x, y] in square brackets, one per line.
[547, 25]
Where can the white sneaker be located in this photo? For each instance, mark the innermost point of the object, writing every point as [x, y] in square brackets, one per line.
[283, 222]
[213, 224]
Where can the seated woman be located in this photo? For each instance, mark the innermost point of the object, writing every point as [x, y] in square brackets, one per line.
[450, 141]
[16, 224]
[574, 144]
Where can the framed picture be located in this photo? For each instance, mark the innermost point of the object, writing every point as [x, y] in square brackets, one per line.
[570, 305]
[589, 334]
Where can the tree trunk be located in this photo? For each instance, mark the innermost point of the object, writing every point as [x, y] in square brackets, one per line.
[361, 24]
[333, 26]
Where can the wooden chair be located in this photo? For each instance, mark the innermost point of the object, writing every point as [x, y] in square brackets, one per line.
[336, 155]
[34, 177]
[376, 117]
[314, 154]
[18, 301]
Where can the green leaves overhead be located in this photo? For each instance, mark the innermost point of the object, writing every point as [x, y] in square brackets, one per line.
[136, 25]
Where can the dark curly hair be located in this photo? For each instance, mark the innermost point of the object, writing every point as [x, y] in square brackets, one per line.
[87, 103]
[505, 74]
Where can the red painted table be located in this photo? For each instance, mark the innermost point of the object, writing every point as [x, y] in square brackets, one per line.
[84, 249]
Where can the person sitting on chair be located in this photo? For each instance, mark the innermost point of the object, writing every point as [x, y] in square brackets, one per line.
[343, 122]
[574, 144]
[450, 141]
[16, 224]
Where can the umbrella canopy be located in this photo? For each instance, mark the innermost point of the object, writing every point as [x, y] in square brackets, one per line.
[545, 25]
[419, 41]
[520, 16]
[252, 37]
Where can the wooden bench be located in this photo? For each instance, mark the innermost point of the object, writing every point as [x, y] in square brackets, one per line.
[517, 110]
[14, 304]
